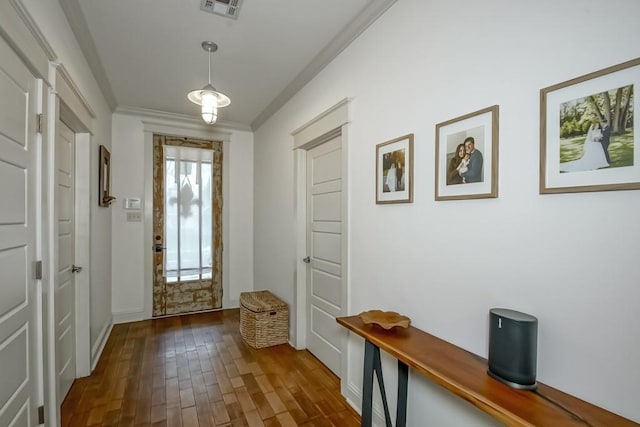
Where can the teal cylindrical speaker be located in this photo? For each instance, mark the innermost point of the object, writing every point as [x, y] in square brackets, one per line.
[513, 348]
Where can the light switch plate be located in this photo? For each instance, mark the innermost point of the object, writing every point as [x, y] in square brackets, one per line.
[134, 216]
[133, 203]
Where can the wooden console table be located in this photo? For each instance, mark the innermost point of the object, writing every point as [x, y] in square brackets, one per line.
[465, 374]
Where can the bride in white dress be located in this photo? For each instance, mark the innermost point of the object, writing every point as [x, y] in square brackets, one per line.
[592, 154]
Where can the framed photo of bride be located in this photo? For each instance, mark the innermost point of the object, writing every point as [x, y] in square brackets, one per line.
[588, 140]
[394, 170]
[467, 156]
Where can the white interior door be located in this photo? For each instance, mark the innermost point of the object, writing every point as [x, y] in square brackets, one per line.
[324, 245]
[65, 289]
[18, 208]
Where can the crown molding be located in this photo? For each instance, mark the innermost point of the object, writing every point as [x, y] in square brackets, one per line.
[177, 117]
[80, 29]
[339, 43]
[22, 34]
[34, 29]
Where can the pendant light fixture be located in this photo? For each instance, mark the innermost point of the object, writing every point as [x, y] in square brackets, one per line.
[208, 97]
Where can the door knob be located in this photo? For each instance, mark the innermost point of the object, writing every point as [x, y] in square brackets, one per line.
[75, 269]
[158, 247]
[306, 260]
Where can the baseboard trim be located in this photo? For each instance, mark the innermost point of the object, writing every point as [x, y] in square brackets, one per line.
[128, 316]
[354, 398]
[98, 347]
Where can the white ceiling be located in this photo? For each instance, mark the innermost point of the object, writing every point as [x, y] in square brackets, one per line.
[147, 54]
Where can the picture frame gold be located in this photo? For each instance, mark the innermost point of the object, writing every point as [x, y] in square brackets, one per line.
[394, 171]
[587, 137]
[462, 173]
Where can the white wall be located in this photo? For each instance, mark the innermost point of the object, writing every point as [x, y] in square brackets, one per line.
[129, 246]
[50, 19]
[569, 259]
[127, 237]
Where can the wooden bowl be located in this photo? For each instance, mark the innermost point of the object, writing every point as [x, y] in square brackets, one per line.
[385, 319]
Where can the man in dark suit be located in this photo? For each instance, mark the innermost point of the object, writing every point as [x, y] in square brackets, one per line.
[606, 136]
[474, 173]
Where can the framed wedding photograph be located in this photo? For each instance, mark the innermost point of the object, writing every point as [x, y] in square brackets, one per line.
[467, 156]
[587, 132]
[394, 171]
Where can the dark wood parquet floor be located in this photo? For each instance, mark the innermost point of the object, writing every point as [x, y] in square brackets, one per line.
[195, 370]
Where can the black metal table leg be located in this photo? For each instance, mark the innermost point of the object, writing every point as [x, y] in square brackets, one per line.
[403, 379]
[367, 384]
[377, 368]
[372, 363]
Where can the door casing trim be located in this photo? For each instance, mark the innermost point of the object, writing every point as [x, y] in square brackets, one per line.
[326, 126]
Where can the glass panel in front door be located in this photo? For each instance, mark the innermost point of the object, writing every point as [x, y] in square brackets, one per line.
[188, 214]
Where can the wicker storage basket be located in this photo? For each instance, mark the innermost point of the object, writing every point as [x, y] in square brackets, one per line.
[264, 319]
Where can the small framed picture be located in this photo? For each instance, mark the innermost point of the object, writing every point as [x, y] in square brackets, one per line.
[467, 156]
[587, 134]
[394, 171]
[104, 179]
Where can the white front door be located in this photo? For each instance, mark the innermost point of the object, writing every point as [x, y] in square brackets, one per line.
[18, 208]
[65, 292]
[324, 246]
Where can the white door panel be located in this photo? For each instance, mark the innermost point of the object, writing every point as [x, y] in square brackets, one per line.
[327, 287]
[64, 152]
[65, 257]
[18, 208]
[325, 325]
[65, 228]
[13, 185]
[64, 304]
[12, 354]
[66, 352]
[65, 207]
[327, 267]
[324, 241]
[326, 207]
[327, 308]
[327, 247]
[14, 280]
[327, 227]
[13, 120]
[65, 296]
[327, 167]
[326, 187]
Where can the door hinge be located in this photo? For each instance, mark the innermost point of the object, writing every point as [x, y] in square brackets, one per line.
[40, 414]
[39, 120]
[38, 270]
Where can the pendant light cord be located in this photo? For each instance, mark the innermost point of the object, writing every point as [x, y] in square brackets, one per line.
[209, 66]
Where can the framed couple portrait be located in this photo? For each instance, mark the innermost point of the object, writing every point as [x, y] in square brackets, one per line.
[394, 171]
[467, 156]
[587, 132]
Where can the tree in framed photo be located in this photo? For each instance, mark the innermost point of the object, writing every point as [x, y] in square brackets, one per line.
[596, 131]
[587, 135]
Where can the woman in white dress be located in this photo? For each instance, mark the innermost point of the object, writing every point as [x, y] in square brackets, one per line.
[593, 156]
[391, 177]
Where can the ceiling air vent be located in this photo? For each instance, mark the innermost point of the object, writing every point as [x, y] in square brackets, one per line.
[228, 8]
